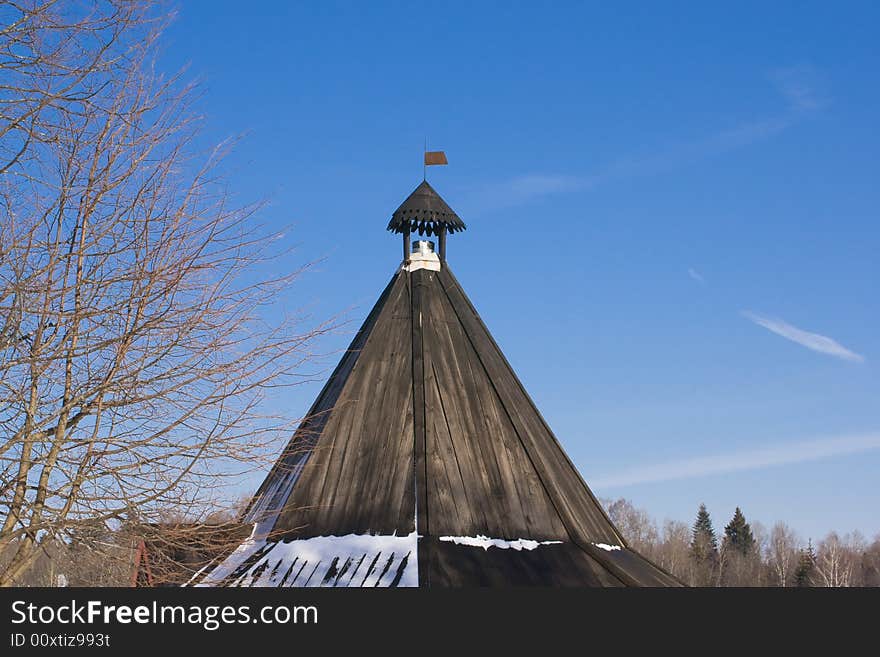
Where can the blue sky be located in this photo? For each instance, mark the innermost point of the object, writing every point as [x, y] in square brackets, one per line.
[672, 217]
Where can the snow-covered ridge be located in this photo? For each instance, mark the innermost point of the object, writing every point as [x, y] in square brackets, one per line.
[485, 542]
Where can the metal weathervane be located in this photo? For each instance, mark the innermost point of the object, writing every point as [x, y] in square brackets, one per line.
[432, 158]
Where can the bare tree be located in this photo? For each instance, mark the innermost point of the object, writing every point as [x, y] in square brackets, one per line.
[635, 524]
[52, 58]
[89, 556]
[783, 551]
[772, 559]
[674, 551]
[135, 347]
[837, 559]
[762, 572]
[871, 564]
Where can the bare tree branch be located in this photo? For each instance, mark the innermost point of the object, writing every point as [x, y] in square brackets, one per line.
[135, 349]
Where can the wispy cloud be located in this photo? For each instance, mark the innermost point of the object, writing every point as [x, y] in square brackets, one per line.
[520, 189]
[796, 85]
[799, 85]
[697, 276]
[778, 455]
[814, 341]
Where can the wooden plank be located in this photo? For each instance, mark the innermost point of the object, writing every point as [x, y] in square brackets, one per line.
[473, 480]
[482, 479]
[474, 439]
[447, 493]
[388, 464]
[420, 475]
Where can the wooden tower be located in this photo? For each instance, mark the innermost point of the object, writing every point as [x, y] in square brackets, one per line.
[423, 461]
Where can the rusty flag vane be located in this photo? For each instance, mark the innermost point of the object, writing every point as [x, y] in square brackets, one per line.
[432, 158]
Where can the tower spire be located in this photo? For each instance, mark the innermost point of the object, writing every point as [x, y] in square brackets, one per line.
[424, 462]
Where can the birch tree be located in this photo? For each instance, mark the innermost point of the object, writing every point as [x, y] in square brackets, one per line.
[838, 558]
[783, 553]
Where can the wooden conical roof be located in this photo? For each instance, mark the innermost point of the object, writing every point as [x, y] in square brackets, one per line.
[425, 462]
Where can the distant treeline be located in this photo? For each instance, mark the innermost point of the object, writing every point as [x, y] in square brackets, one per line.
[743, 553]
[747, 554]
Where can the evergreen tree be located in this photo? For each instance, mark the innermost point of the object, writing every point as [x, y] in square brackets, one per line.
[803, 575]
[704, 544]
[738, 535]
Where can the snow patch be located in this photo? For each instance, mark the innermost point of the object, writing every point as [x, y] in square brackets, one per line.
[485, 542]
[606, 547]
[351, 560]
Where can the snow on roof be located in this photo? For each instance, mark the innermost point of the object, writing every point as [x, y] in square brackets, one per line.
[352, 560]
[485, 542]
